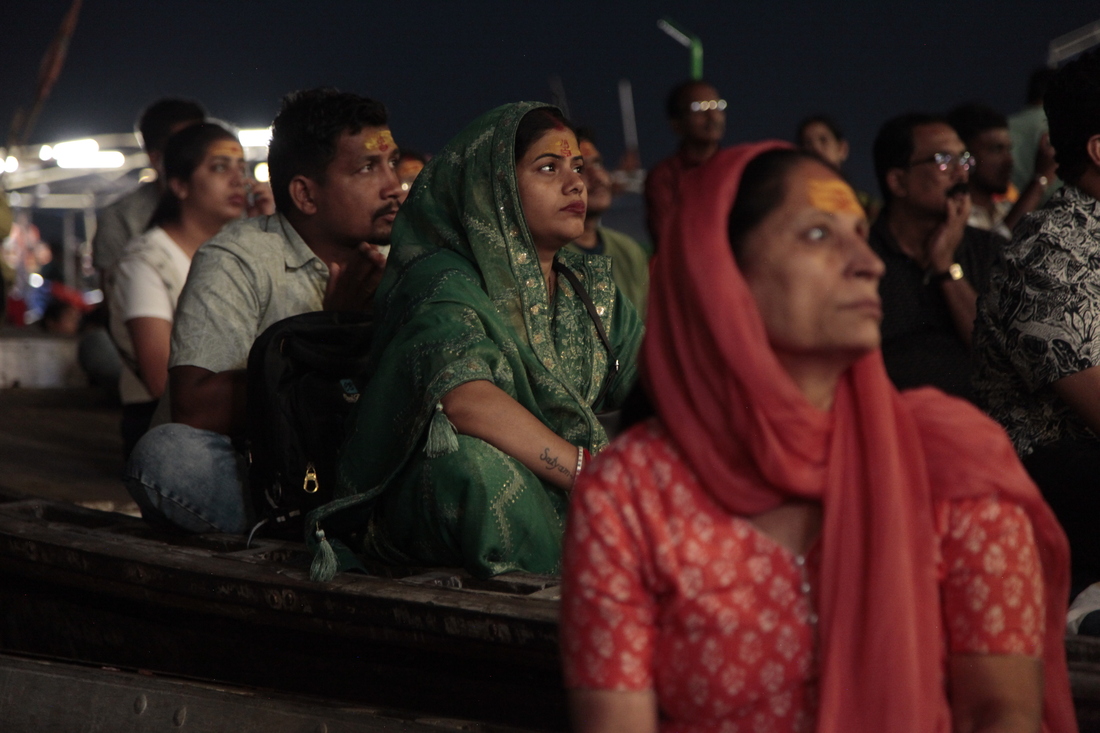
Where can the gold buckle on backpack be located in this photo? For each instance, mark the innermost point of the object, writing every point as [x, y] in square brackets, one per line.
[310, 485]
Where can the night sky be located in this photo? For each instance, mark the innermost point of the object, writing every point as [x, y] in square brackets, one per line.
[437, 65]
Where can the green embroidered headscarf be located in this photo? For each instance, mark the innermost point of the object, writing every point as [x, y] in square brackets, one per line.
[464, 298]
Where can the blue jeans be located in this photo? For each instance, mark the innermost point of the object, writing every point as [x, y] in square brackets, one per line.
[191, 479]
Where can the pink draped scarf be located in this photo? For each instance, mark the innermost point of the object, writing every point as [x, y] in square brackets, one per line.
[876, 463]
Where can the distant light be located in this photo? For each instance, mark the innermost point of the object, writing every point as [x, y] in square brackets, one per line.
[258, 138]
[148, 175]
[86, 154]
[74, 148]
[262, 173]
[405, 185]
[11, 164]
[93, 297]
[98, 159]
[45, 153]
[35, 280]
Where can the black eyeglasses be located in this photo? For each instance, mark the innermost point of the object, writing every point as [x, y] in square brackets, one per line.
[944, 161]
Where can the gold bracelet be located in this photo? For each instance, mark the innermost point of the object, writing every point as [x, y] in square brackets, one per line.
[580, 463]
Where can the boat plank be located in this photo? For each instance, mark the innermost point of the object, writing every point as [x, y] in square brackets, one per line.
[98, 586]
[51, 696]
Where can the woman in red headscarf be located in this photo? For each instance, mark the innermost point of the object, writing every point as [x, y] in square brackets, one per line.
[790, 544]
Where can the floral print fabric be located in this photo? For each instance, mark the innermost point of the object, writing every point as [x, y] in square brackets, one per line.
[666, 590]
[1040, 321]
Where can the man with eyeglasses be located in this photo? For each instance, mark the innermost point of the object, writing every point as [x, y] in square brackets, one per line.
[935, 263]
[697, 115]
[1037, 337]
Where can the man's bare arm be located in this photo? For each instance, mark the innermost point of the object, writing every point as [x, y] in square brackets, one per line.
[1046, 167]
[961, 298]
[209, 400]
[1081, 391]
[962, 301]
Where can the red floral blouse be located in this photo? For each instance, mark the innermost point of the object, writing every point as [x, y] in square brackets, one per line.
[664, 589]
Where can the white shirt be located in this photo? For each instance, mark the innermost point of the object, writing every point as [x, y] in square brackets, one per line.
[147, 282]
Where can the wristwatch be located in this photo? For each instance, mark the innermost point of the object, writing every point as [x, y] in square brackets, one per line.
[954, 272]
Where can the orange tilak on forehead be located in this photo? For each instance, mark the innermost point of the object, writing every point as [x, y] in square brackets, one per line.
[382, 142]
[228, 148]
[557, 146]
[833, 196]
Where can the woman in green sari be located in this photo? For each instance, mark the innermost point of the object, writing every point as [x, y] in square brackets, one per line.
[488, 365]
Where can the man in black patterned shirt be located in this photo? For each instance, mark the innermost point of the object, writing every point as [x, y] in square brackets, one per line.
[1037, 336]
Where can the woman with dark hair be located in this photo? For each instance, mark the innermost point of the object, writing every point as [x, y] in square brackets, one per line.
[493, 353]
[205, 189]
[822, 136]
[789, 543]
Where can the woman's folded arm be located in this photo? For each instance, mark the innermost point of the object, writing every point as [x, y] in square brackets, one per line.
[483, 410]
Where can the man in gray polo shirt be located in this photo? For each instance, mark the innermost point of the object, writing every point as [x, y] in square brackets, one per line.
[332, 160]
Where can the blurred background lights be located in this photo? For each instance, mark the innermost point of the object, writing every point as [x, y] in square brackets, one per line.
[262, 173]
[256, 138]
[98, 159]
[74, 148]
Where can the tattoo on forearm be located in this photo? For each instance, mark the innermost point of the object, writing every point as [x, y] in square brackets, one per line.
[552, 463]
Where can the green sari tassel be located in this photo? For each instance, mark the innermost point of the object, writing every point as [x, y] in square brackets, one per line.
[442, 436]
[324, 566]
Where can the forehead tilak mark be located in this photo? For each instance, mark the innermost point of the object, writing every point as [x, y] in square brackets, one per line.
[833, 196]
[382, 142]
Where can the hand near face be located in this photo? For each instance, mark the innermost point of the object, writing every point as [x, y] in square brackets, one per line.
[351, 286]
[263, 202]
[947, 237]
[1045, 165]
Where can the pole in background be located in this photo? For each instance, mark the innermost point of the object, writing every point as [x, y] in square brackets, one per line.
[629, 176]
[626, 109]
[48, 73]
[688, 40]
[1073, 43]
[557, 95]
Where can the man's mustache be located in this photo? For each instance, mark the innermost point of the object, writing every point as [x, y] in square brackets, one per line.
[391, 209]
[959, 189]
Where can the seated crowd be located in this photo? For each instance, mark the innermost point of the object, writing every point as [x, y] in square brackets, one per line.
[784, 512]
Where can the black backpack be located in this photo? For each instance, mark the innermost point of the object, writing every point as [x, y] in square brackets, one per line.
[304, 375]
